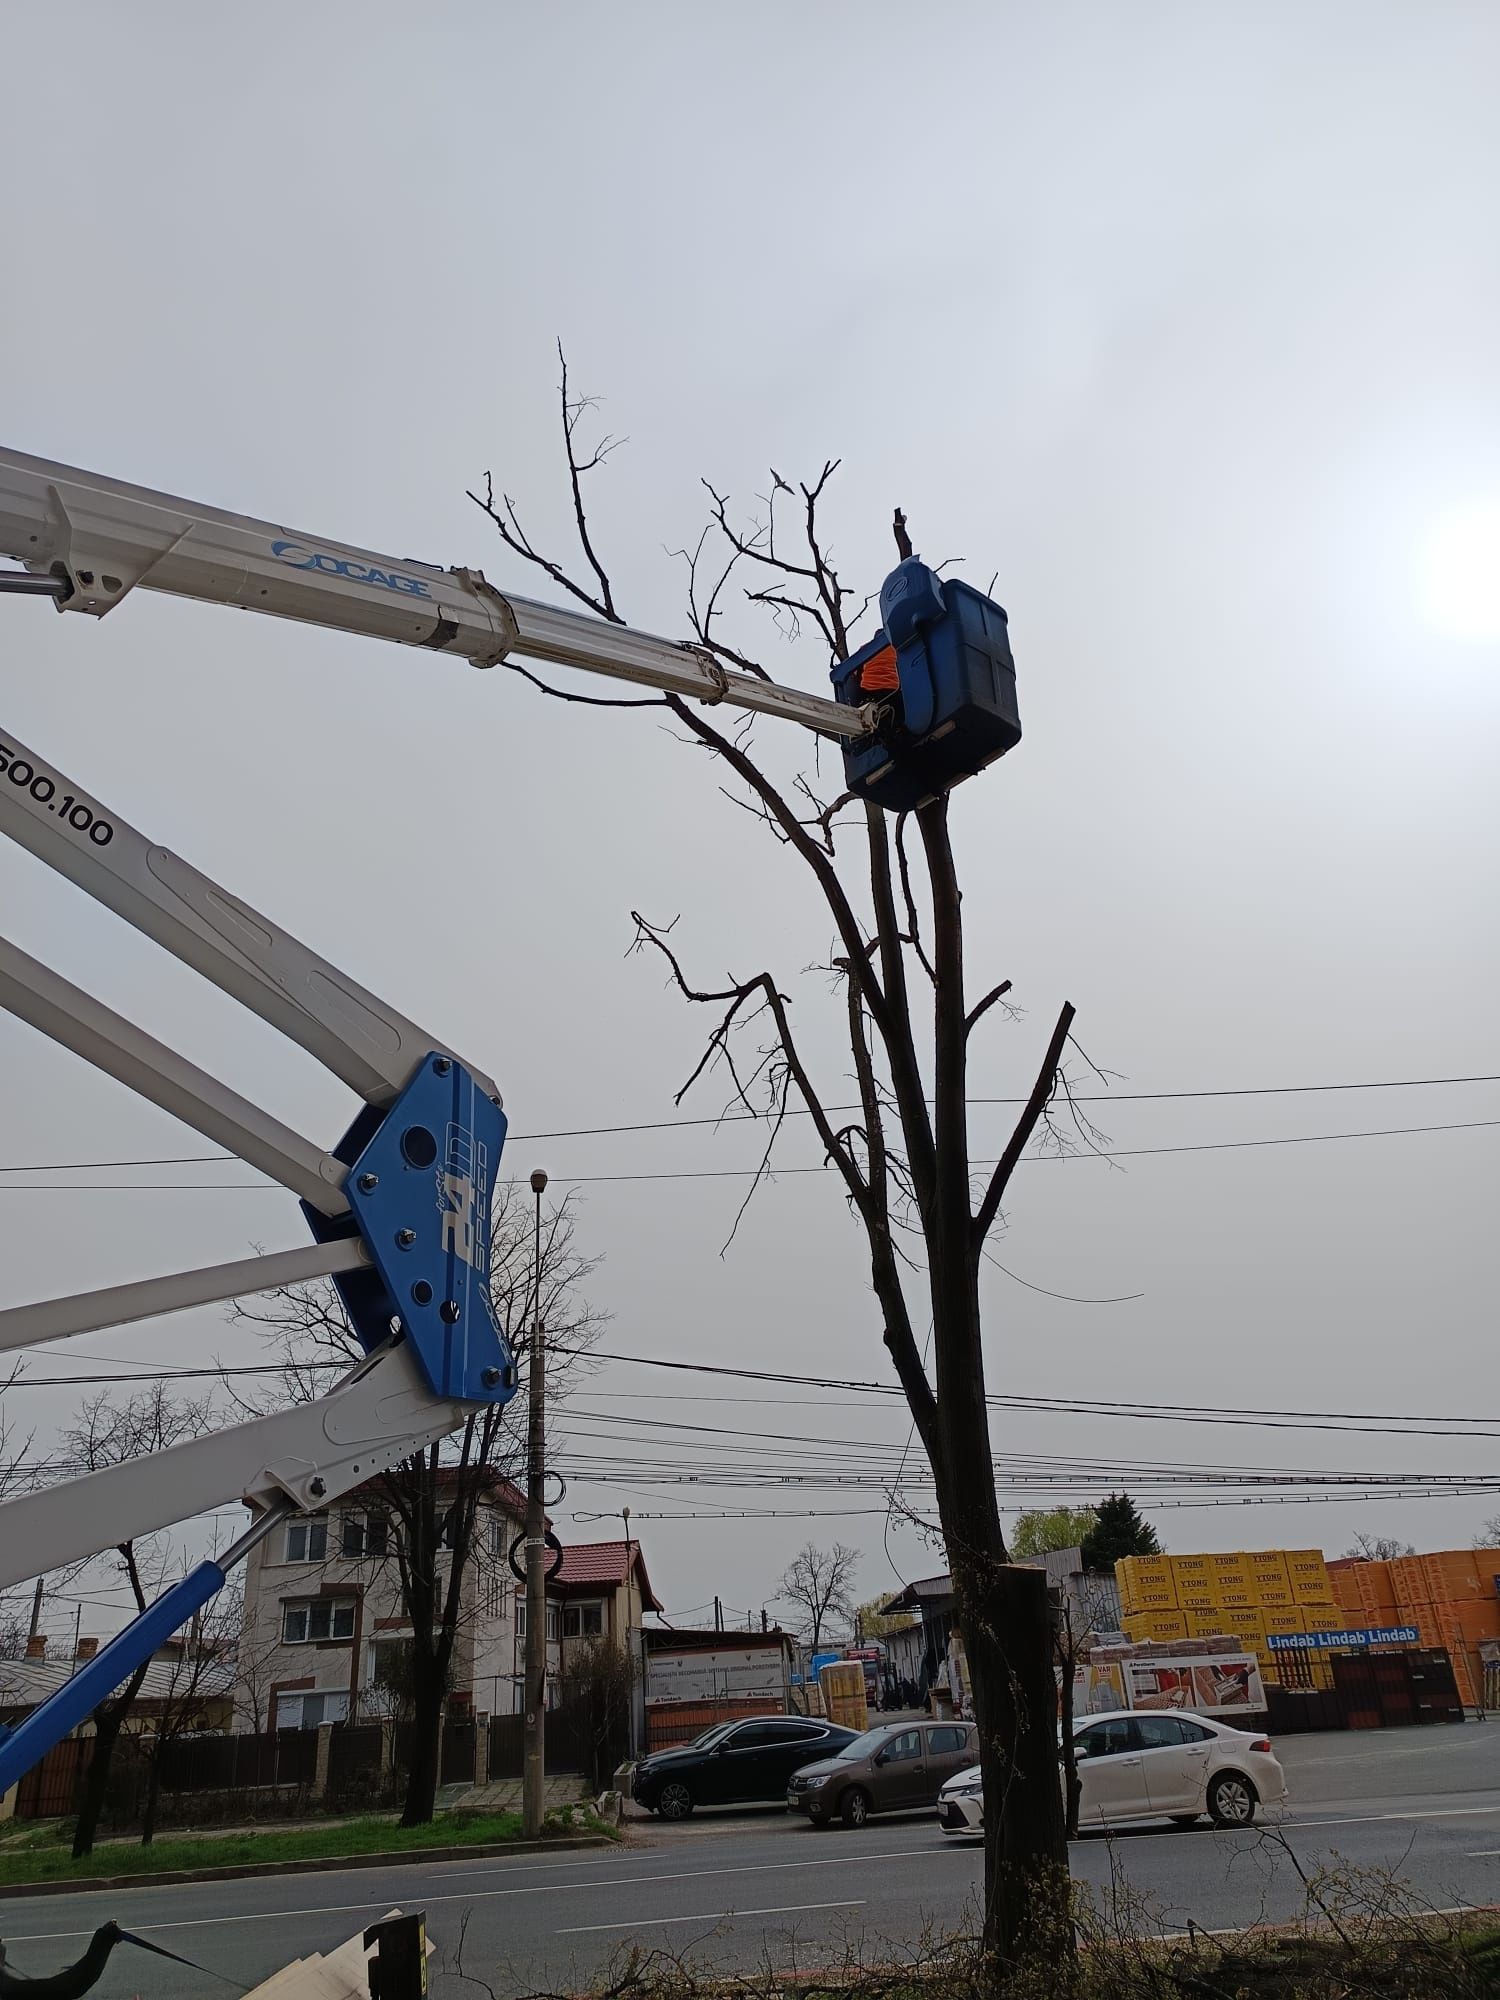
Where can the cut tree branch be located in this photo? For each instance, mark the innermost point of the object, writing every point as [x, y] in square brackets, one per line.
[1036, 1104]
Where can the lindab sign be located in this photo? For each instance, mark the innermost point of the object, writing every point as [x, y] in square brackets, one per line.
[1365, 1635]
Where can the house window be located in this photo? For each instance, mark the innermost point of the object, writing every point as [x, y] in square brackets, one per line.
[306, 1711]
[552, 1619]
[494, 1597]
[364, 1535]
[322, 1618]
[390, 1663]
[583, 1621]
[307, 1541]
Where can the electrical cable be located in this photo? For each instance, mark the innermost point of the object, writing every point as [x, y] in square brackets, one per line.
[801, 1111]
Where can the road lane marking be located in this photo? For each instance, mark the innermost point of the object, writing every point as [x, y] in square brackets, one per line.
[485, 1895]
[711, 1917]
[1372, 1819]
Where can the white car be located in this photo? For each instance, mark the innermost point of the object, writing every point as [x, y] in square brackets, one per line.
[1146, 1765]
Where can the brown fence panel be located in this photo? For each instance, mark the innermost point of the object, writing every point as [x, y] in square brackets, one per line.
[354, 1773]
[456, 1754]
[671, 1723]
[567, 1751]
[49, 1789]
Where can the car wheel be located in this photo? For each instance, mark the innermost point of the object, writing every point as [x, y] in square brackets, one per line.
[675, 1801]
[1231, 1800]
[855, 1806]
[1186, 1819]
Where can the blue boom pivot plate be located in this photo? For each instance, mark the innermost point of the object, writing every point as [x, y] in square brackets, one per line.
[420, 1183]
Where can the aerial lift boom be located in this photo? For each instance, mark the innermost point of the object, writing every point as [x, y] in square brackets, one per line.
[399, 1209]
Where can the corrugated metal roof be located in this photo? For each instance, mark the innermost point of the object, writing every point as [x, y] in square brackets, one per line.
[24, 1683]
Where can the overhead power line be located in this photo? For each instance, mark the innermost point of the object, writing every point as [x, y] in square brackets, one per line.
[801, 1111]
[774, 1173]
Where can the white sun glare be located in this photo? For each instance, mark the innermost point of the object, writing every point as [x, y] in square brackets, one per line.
[1461, 572]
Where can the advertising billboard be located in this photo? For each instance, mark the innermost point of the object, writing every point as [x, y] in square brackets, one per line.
[719, 1673]
[1219, 1684]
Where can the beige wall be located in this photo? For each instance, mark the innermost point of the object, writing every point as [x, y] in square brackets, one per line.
[482, 1654]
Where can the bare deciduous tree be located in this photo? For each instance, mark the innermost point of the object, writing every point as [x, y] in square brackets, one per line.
[107, 1433]
[903, 1159]
[594, 1686]
[193, 1683]
[820, 1583]
[435, 1498]
[1380, 1548]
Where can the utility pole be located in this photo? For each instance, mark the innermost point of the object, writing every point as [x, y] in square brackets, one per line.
[533, 1782]
[36, 1607]
[718, 1616]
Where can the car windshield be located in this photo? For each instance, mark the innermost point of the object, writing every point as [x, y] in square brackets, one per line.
[711, 1736]
[864, 1746]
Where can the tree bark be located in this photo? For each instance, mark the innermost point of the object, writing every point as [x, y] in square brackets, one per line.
[422, 1772]
[109, 1719]
[1005, 1621]
[153, 1795]
[1072, 1785]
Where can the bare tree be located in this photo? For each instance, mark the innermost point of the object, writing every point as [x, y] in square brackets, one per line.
[15, 1473]
[1379, 1548]
[595, 1685]
[436, 1498]
[1487, 1538]
[820, 1583]
[107, 1433]
[926, 1206]
[193, 1681]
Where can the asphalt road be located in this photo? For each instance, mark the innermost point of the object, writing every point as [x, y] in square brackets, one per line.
[733, 1889]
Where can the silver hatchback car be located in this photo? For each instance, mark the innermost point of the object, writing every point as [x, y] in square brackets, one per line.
[892, 1768]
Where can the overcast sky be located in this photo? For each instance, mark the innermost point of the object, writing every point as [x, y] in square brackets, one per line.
[1181, 319]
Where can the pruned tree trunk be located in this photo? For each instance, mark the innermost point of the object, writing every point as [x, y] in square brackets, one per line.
[904, 1162]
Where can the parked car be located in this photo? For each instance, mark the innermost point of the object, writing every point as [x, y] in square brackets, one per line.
[1135, 1765]
[890, 1768]
[734, 1763]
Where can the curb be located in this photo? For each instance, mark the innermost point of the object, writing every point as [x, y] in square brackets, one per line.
[320, 1865]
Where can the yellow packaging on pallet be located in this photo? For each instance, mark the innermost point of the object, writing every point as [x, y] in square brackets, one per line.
[1156, 1625]
[1268, 1569]
[1309, 1576]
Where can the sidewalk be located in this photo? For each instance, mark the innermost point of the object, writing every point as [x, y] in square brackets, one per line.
[504, 1795]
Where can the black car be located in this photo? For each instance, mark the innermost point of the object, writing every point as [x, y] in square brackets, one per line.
[734, 1763]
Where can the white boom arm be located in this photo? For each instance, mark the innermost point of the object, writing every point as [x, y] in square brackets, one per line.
[401, 1208]
[89, 541]
[408, 1392]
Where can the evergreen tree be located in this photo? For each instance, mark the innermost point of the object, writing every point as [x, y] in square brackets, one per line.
[1121, 1531]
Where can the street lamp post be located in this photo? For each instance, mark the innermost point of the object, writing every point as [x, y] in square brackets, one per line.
[533, 1787]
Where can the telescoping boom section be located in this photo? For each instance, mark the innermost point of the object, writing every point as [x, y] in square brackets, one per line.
[399, 1208]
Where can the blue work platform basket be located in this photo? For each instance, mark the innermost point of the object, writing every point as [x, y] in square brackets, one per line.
[957, 706]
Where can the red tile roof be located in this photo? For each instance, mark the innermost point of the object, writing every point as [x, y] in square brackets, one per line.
[587, 1565]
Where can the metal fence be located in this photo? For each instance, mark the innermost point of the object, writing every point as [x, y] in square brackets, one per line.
[244, 1777]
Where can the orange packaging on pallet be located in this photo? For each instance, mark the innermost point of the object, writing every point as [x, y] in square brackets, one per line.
[1462, 1575]
[1409, 1580]
[1346, 1590]
[1475, 1621]
[1373, 1582]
